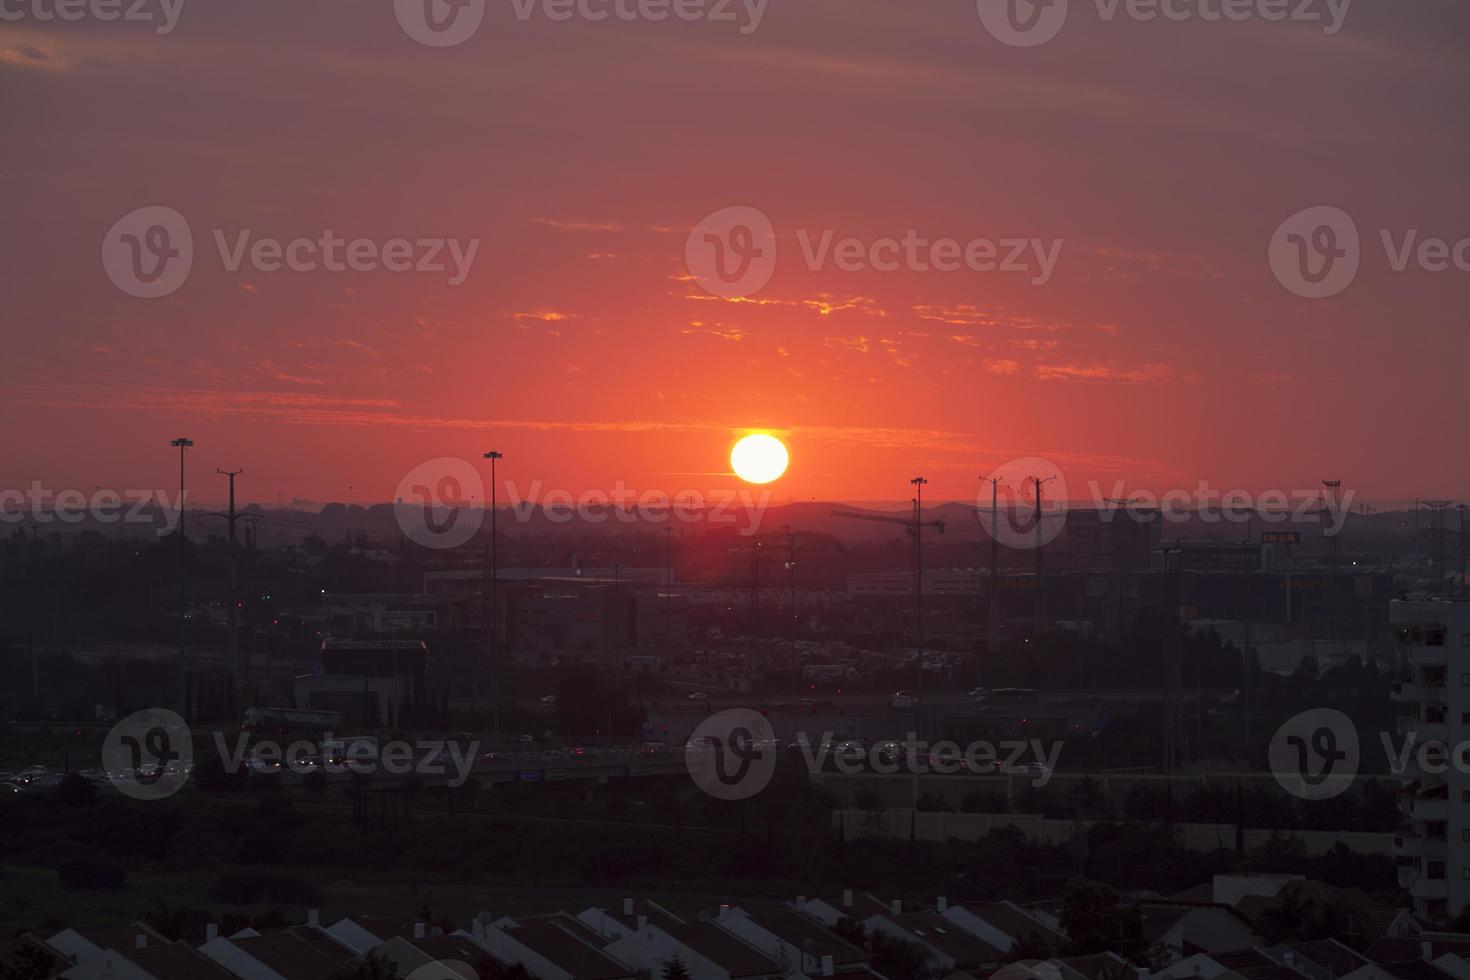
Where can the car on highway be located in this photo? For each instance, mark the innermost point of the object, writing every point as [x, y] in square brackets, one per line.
[699, 696]
[549, 699]
[1031, 770]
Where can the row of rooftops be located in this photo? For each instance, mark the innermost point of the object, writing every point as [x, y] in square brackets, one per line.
[1208, 931]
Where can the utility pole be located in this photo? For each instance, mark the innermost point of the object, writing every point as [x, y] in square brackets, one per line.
[492, 627]
[914, 528]
[234, 618]
[1038, 483]
[994, 589]
[182, 444]
[918, 483]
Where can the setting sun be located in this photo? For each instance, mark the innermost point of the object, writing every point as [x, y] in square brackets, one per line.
[759, 458]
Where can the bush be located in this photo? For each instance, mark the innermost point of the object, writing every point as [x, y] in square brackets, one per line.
[91, 873]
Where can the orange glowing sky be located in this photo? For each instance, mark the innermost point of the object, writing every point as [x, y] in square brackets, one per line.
[1162, 352]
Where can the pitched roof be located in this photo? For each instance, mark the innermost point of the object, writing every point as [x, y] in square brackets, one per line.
[808, 935]
[289, 956]
[570, 923]
[1416, 970]
[1329, 954]
[121, 937]
[940, 933]
[385, 927]
[1256, 965]
[1013, 921]
[323, 943]
[582, 960]
[176, 961]
[1398, 949]
[737, 957]
[446, 949]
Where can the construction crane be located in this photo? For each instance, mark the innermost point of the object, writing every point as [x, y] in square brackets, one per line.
[914, 527]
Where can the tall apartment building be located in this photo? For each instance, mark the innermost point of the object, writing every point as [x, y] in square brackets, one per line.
[1432, 847]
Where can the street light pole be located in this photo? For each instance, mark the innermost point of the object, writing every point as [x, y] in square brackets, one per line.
[918, 483]
[492, 627]
[182, 444]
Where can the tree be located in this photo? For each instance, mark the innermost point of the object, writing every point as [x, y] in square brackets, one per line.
[1285, 921]
[30, 963]
[899, 959]
[675, 969]
[1096, 921]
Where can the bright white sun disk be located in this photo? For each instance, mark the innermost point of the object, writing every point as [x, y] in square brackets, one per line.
[759, 458]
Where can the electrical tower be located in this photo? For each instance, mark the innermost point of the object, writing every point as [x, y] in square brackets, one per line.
[914, 527]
